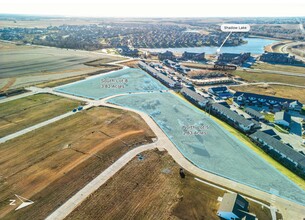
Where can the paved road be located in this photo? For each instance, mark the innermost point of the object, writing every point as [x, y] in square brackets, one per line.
[16, 97]
[42, 124]
[285, 49]
[65, 209]
[290, 210]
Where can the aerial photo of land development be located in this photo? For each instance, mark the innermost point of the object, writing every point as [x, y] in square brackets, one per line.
[151, 116]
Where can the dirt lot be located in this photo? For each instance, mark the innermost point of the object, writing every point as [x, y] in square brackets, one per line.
[35, 64]
[25, 112]
[268, 77]
[152, 189]
[52, 163]
[274, 90]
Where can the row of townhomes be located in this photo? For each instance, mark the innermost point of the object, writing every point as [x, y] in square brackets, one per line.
[161, 77]
[221, 92]
[234, 58]
[193, 56]
[168, 55]
[281, 58]
[232, 118]
[276, 103]
[194, 97]
[281, 152]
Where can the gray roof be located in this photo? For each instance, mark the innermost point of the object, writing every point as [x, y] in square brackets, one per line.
[278, 145]
[282, 116]
[233, 202]
[270, 98]
[157, 73]
[194, 95]
[253, 112]
[233, 115]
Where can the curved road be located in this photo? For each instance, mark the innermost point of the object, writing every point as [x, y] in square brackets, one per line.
[289, 209]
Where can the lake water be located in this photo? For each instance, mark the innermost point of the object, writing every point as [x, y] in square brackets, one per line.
[254, 46]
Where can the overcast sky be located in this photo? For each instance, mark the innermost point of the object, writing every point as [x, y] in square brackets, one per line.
[155, 8]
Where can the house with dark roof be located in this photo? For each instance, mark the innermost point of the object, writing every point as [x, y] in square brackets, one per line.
[280, 151]
[272, 133]
[255, 114]
[128, 51]
[221, 92]
[234, 206]
[264, 100]
[282, 118]
[234, 58]
[161, 77]
[194, 97]
[166, 55]
[232, 118]
[193, 56]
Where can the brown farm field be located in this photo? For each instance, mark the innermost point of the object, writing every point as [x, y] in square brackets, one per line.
[289, 92]
[152, 189]
[22, 113]
[52, 163]
[251, 76]
[29, 65]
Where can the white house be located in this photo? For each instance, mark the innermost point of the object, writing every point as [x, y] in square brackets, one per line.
[282, 118]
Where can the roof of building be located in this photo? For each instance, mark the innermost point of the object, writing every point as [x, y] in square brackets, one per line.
[271, 132]
[273, 98]
[271, 54]
[219, 89]
[158, 74]
[167, 53]
[232, 115]
[194, 95]
[192, 53]
[253, 112]
[233, 202]
[278, 145]
[282, 116]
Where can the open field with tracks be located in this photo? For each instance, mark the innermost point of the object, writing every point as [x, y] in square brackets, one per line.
[152, 189]
[251, 76]
[29, 65]
[277, 67]
[52, 163]
[25, 112]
